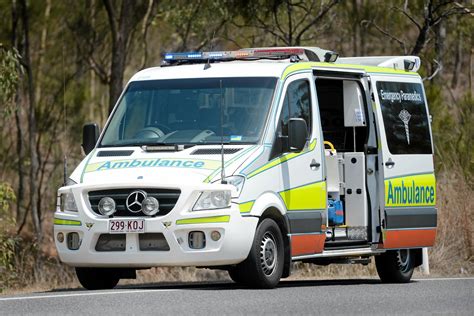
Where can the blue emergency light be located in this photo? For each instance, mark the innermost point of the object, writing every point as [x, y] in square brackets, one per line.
[182, 56]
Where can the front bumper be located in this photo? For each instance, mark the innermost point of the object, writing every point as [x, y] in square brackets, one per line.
[237, 235]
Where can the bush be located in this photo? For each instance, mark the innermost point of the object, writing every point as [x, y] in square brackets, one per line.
[8, 238]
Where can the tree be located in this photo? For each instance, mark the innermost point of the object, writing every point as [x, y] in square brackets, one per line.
[288, 22]
[32, 131]
[196, 24]
[434, 12]
[123, 16]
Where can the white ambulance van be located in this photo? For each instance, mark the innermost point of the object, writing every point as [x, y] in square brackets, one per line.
[250, 160]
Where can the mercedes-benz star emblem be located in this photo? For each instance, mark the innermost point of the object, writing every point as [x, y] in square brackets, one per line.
[135, 200]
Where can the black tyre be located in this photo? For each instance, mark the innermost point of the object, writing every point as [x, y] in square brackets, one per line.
[264, 265]
[236, 275]
[97, 278]
[395, 266]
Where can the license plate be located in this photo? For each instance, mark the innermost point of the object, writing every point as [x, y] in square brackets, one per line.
[117, 226]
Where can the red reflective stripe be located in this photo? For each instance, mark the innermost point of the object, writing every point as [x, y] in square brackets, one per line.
[409, 238]
[307, 244]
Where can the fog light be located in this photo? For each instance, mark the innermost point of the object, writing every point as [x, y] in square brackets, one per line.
[197, 240]
[60, 237]
[106, 206]
[150, 206]
[73, 241]
[215, 235]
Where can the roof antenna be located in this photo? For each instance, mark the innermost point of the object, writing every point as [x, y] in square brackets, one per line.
[223, 181]
[208, 64]
[65, 173]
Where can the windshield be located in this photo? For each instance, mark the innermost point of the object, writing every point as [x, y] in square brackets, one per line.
[188, 111]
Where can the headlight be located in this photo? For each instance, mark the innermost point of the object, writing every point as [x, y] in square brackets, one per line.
[212, 200]
[68, 203]
[237, 182]
[70, 181]
[65, 201]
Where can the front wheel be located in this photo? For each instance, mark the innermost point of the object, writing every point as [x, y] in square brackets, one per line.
[263, 267]
[97, 278]
[395, 266]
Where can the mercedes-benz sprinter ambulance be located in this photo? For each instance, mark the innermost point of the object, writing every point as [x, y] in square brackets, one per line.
[250, 160]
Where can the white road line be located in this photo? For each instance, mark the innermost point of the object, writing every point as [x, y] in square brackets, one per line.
[116, 292]
[444, 279]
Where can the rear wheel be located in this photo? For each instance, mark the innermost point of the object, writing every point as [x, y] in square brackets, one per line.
[263, 267]
[97, 278]
[395, 266]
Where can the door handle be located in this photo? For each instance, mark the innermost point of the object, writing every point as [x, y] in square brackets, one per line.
[390, 163]
[314, 165]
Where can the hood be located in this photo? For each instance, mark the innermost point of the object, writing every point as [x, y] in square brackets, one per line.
[197, 164]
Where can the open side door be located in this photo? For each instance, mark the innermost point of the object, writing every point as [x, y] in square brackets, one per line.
[408, 211]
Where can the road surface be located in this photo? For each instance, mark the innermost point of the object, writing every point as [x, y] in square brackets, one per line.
[330, 297]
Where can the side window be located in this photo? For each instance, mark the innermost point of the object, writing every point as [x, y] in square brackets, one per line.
[405, 118]
[297, 104]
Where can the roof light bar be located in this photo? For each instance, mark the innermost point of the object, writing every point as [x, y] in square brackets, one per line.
[231, 55]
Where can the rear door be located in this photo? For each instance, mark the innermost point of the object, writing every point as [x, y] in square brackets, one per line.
[408, 212]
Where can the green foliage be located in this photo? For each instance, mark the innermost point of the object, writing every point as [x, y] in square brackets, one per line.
[8, 238]
[196, 23]
[464, 130]
[10, 71]
[453, 131]
[70, 45]
[7, 195]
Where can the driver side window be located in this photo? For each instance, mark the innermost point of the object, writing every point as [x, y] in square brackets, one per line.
[297, 104]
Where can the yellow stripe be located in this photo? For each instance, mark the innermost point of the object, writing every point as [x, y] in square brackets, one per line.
[282, 159]
[246, 207]
[204, 220]
[372, 69]
[308, 197]
[411, 190]
[59, 221]
[92, 153]
[228, 163]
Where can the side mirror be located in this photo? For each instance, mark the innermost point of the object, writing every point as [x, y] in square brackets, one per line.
[297, 134]
[90, 135]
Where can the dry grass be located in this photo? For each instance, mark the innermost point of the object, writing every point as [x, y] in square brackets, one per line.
[453, 254]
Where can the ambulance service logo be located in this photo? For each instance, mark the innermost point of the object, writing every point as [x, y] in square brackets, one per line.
[405, 116]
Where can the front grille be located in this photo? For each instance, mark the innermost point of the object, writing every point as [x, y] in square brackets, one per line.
[166, 197]
[114, 153]
[109, 242]
[153, 242]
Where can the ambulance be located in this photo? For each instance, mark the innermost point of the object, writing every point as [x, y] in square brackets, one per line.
[250, 160]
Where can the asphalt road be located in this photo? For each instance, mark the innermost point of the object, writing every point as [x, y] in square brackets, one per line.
[331, 297]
